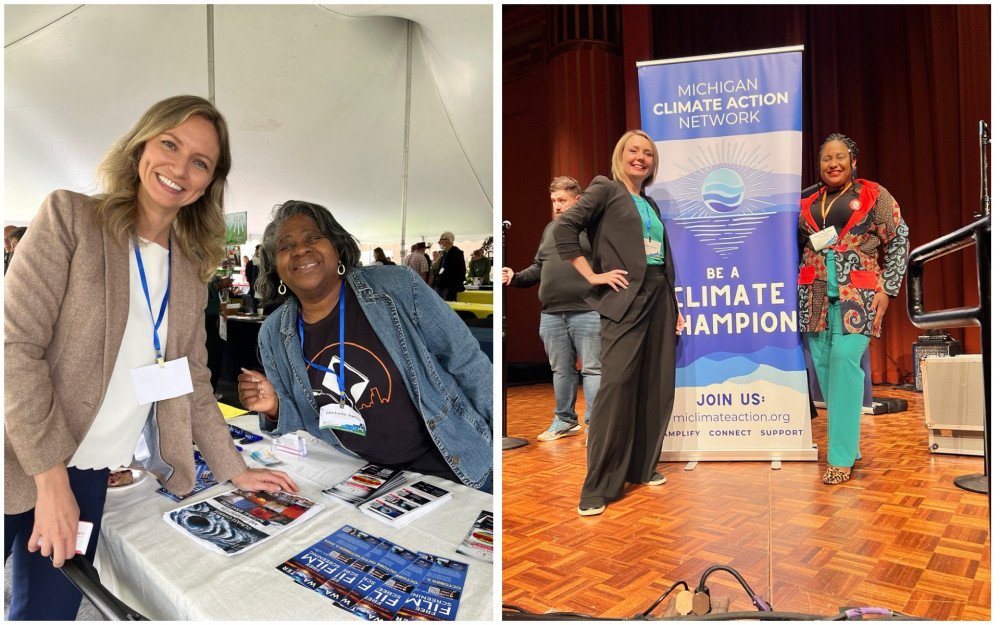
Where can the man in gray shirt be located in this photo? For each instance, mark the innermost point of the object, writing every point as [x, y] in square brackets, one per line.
[569, 328]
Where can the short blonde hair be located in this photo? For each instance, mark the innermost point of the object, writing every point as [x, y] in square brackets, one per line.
[617, 172]
[201, 225]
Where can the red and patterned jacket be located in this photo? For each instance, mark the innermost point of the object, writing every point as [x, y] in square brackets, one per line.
[870, 256]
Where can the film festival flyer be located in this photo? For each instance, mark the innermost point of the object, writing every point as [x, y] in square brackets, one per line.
[479, 541]
[233, 522]
[364, 484]
[376, 579]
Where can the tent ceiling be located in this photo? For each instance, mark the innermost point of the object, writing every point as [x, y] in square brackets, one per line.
[314, 96]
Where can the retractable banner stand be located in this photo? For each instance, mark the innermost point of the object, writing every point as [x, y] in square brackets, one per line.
[728, 129]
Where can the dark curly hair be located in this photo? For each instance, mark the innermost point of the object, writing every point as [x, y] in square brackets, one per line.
[343, 241]
[852, 149]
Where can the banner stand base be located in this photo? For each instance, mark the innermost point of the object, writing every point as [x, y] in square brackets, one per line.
[742, 455]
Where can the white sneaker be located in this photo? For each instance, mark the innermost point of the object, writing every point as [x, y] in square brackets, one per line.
[551, 435]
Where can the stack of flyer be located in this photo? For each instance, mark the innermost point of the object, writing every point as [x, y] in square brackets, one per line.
[365, 484]
[479, 542]
[377, 580]
[233, 522]
[403, 505]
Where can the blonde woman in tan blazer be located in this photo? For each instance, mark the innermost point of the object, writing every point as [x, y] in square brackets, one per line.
[78, 323]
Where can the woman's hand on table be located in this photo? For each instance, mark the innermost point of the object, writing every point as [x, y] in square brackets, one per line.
[57, 516]
[265, 479]
[257, 393]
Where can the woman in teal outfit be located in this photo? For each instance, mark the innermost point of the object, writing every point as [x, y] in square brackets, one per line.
[845, 285]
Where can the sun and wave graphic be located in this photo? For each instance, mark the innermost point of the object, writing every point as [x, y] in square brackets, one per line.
[722, 191]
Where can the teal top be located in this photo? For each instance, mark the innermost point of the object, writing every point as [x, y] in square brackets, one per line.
[652, 228]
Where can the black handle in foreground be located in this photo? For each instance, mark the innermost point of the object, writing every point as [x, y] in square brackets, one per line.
[84, 576]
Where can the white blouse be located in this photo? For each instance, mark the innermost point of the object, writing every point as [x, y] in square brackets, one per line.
[111, 440]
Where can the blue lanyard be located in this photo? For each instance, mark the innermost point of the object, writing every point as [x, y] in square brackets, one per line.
[163, 306]
[646, 215]
[309, 363]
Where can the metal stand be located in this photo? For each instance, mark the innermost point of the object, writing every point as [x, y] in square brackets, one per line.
[509, 442]
[977, 233]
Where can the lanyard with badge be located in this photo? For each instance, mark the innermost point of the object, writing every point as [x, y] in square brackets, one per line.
[651, 246]
[828, 235]
[338, 415]
[165, 379]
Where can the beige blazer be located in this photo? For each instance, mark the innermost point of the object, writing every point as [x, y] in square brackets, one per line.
[66, 304]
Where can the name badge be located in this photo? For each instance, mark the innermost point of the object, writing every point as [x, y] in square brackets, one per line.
[652, 247]
[824, 238]
[155, 383]
[83, 531]
[344, 418]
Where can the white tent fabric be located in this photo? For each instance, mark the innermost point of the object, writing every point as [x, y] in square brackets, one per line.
[315, 98]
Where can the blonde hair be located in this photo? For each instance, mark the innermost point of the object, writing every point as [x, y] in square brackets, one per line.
[617, 172]
[200, 226]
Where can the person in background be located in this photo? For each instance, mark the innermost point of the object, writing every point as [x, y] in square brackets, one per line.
[214, 344]
[380, 257]
[569, 327]
[252, 272]
[451, 275]
[436, 269]
[79, 319]
[480, 267]
[632, 273]
[6, 245]
[368, 359]
[417, 261]
[854, 247]
[12, 241]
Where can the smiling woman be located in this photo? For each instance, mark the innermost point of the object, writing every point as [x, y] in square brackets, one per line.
[368, 359]
[80, 296]
[633, 278]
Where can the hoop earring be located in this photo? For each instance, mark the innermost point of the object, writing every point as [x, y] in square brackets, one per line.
[282, 289]
[341, 269]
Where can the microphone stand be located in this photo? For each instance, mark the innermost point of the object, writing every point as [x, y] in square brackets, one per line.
[508, 441]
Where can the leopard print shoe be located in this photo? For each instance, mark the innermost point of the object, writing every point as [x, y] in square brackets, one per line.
[835, 475]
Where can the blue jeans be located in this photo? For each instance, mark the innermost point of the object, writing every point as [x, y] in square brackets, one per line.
[568, 336]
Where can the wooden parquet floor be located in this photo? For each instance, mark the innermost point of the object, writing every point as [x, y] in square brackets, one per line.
[898, 535]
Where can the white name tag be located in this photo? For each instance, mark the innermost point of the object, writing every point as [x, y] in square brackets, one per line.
[824, 238]
[83, 531]
[345, 419]
[652, 247]
[155, 383]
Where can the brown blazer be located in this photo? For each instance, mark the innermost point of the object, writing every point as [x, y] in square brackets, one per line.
[66, 305]
[607, 212]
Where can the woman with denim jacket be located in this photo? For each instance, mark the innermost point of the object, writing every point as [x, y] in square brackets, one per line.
[382, 369]
[844, 288]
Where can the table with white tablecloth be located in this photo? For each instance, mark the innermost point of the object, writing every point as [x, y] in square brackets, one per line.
[167, 576]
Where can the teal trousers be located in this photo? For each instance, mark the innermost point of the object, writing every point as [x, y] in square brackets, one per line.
[837, 359]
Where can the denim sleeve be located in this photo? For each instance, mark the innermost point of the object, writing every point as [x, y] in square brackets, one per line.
[448, 339]
[287, 411]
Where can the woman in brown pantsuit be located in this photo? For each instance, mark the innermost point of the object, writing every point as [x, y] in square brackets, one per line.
[633, 279]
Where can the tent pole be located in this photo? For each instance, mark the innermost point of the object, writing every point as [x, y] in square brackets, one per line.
[211, 53]
[406, 139]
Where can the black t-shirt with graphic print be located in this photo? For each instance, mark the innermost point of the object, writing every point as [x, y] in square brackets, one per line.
[396, 434]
